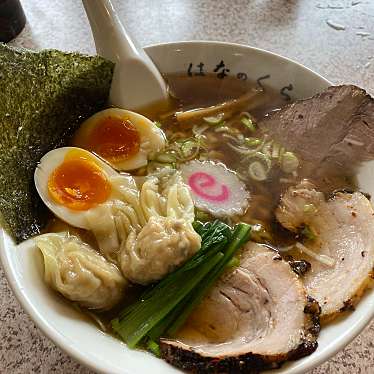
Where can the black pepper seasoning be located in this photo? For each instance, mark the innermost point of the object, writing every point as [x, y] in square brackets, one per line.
[12, 19]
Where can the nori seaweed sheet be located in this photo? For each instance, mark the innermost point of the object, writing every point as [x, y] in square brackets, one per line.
[44, 96]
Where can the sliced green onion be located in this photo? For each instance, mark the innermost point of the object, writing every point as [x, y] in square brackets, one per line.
[189, 149]
[257, 171]
[308, 233]
[242, 150]
[264, 158]
[214, 120]
[154, 165]
[310, 209]
[157, 123]
[252, 142]
[223, 129]
[247, 122]
[188, 146]
[289, 162]
[236, 139]
[267, 148]
[166, 158]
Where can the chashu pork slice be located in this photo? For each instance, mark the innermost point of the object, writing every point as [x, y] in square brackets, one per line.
[332, 133]
[256, 316]
[344, 230]
[332, 129]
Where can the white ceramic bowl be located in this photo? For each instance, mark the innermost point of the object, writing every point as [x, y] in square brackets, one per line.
[103, 353]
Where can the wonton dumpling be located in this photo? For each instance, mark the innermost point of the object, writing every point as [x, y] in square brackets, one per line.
[165, 194]
[78, 272]
[161, 246]
[141, 231]
[168, 239]
[112, 221]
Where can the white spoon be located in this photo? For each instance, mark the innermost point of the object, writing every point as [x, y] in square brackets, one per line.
[137, 83]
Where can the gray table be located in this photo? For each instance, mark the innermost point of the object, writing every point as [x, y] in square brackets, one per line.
[304, 30]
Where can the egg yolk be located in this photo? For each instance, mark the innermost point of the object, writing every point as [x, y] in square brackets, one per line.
[114, 139]
[78, 183]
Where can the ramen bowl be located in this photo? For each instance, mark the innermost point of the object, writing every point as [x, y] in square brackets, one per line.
[78, 336]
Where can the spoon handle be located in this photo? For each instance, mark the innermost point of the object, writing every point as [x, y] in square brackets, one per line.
[137, 82]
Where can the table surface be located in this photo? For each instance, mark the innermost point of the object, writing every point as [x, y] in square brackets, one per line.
[334, 38]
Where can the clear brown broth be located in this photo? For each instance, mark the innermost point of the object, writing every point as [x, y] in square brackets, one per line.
[198, 92]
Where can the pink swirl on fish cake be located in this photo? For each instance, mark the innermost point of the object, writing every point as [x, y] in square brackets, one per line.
[199, 181]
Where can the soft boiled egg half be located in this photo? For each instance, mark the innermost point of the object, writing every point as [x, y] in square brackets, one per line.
[121, 137]
[72, 181]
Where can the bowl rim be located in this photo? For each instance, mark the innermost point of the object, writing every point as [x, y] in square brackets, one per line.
[60, 341]
[236, 45]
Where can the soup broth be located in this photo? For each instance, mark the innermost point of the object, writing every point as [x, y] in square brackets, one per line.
[201, 92]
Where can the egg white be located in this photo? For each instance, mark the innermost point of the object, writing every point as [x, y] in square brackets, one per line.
[152, 138]
[50, 162]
